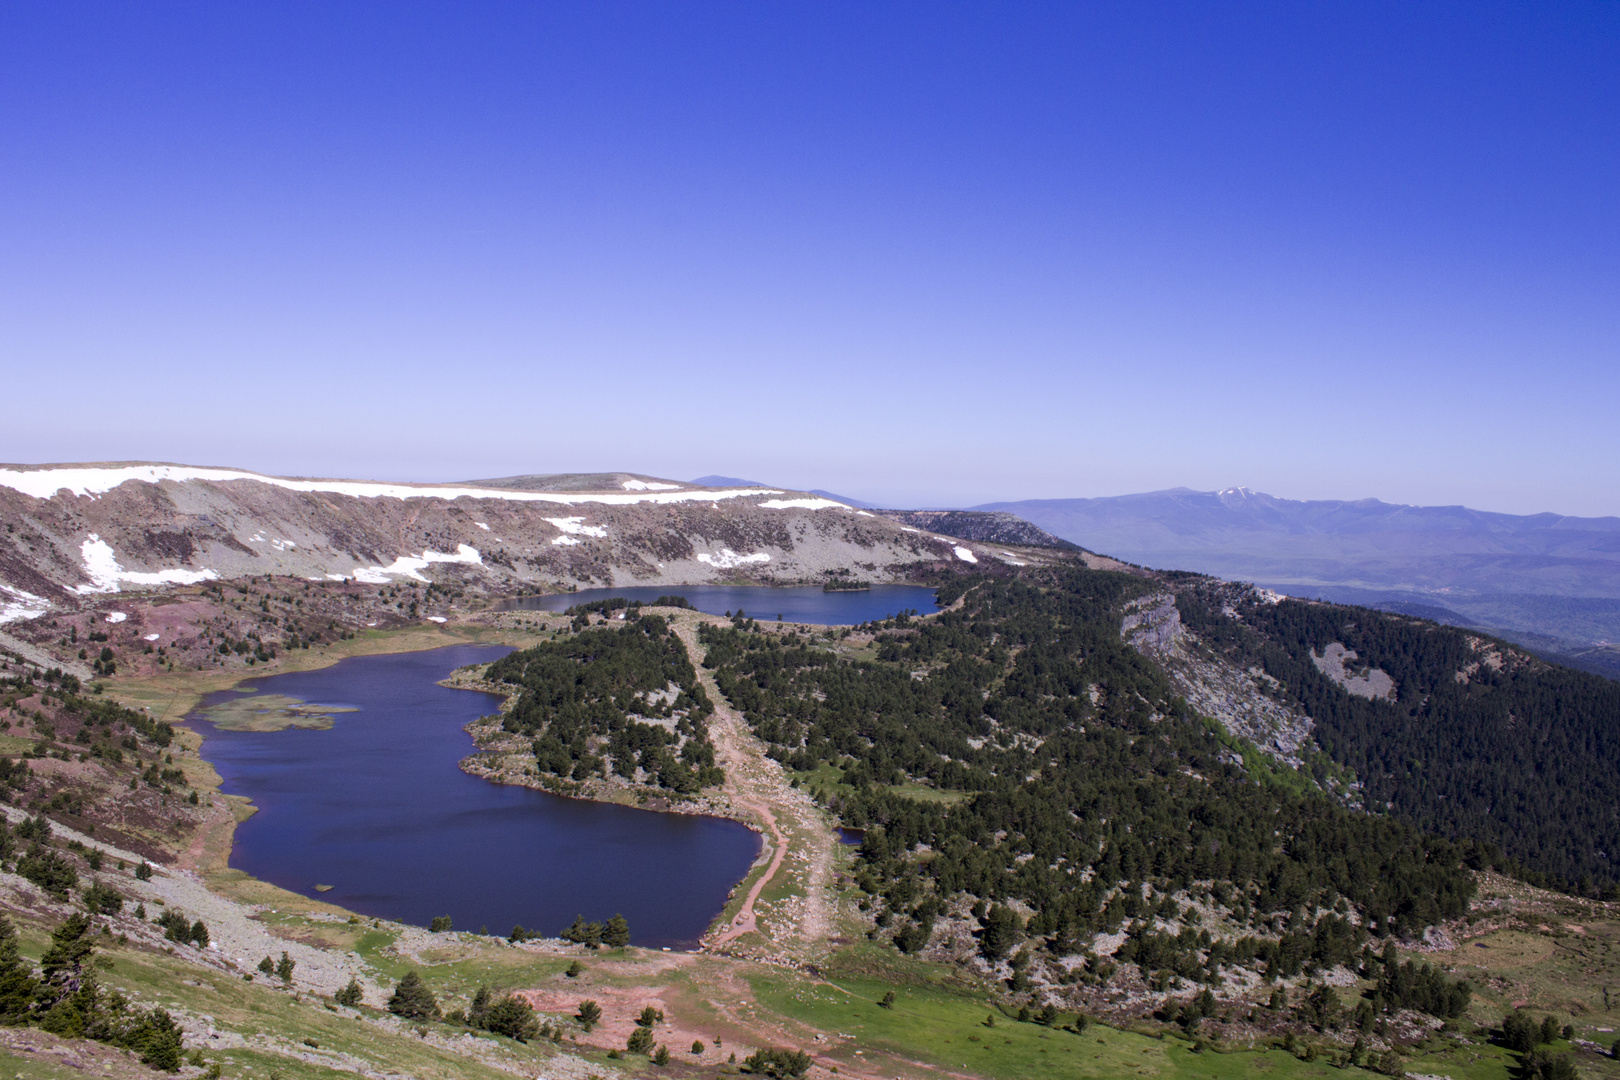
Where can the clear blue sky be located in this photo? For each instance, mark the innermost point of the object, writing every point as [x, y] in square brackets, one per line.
[921, 254]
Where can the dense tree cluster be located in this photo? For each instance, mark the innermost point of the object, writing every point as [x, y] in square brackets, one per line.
[615, 933]
[65, 998]
[624, 701]
[1091, 793]
[1481, 741]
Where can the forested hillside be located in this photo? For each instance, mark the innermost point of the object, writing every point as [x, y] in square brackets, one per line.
[624, 701]
[1482, 740]
[1093, 800]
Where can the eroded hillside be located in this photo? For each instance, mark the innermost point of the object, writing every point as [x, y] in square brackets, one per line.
[77, 533]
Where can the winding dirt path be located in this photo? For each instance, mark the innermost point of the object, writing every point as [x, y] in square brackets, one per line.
[745, 921]
[803, 920]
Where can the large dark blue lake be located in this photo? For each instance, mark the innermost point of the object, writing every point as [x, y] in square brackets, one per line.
[799, 603]
[376, 807]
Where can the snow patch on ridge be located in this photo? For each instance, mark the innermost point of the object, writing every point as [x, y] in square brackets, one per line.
[16, 605]
[728, 559]
[101, 567]
[649, 485]
[575, 526]
[964, 554]
[410, 565]
[279, 545]
[90, 481]
[802, 504]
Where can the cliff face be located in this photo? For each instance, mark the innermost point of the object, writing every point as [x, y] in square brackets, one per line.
[75, 532]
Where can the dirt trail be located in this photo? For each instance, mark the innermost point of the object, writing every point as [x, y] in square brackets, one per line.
[802, 923]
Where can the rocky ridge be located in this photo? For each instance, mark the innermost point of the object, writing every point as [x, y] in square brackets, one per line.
[74, 533]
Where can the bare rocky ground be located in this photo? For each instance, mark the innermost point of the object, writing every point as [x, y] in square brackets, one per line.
[1240, 700]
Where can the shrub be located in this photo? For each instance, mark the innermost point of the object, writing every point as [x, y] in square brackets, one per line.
[180, 930]
[156, 1037]
[47, 869]
[1545, 1065]
[513, 1017]
[778, 1063]
[350, 995]
[103, 899]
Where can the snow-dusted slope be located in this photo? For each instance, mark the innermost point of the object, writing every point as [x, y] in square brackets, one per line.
[73, 531]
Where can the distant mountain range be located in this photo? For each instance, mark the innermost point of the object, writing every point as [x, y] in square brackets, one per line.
[1548, 580]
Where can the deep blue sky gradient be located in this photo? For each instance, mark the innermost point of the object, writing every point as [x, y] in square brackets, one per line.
[920, 254]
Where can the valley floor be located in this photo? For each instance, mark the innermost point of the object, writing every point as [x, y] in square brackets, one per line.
[787, 964]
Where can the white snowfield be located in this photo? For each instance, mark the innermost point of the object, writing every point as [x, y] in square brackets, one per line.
[91, 481]
[649, 485]
[101, 567]
[728, 559]
[565, 541]
[409, 565]
[575, 526]
[16, 605]
[802, 504]
[964, 554]
[117, 616]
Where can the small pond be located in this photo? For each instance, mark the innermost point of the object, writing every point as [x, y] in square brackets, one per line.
[797, 603]
[353, 770]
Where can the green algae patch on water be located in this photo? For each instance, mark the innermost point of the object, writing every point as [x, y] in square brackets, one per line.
[271, 712]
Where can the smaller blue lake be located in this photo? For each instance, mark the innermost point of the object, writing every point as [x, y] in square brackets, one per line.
[797, 603]
[376, 807]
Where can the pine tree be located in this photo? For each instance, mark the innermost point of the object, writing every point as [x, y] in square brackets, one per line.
[18, 986]
[350, 995]
[478, 1011]
[413, 1000]
[513, 1017]
[616, 934]
[68, 990]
